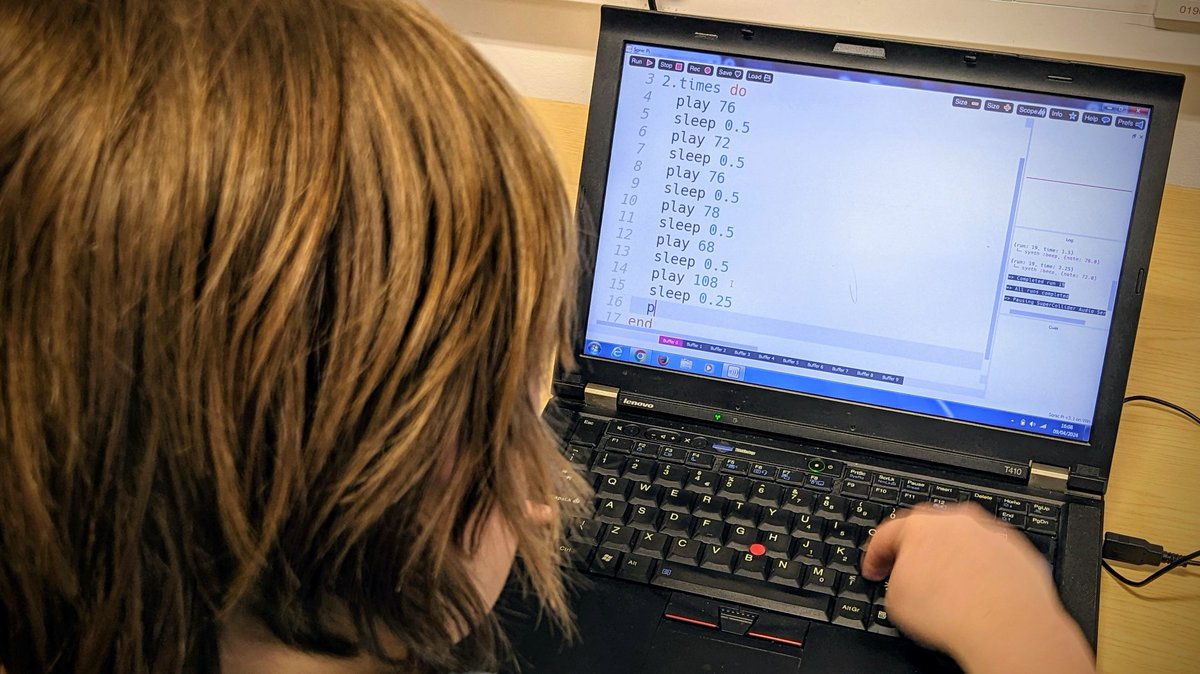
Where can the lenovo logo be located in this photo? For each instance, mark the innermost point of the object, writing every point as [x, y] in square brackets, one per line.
[637, 403]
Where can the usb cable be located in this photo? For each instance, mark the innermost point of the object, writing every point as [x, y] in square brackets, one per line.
[1130, 550]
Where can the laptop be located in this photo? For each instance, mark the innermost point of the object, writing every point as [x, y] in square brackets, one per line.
[826, 278]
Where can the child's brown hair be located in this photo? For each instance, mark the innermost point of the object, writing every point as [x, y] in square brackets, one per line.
[279, 280]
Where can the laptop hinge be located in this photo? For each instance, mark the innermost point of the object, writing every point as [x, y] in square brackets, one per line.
[601, 399]
[1050, 478]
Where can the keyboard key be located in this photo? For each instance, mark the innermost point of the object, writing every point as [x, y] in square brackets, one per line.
[684, 551]
[818, 579]
[585, 530]
[702, 481]
[712, 507]
[739, 512]
[784, 572]
[831, 507]
[882, 494]
[640, 468]
[643, 517]
[799, 500]
[672, 454]
[809, 552]
[820, 482]
[740, 537]
[793, 476]
[763, 471]
[618, 444]
[855, 488]
[859, 475]
[738, 466]
[1043, 510]
[750, 565]
[676, 500]
[879, 622]
[889, 513]
[696, 441]
[765, 493]
[709, 531]
[733, 486]
[912, 498]
[1015, 519]
[576, 554]
[1014, 504]
[777, 544]
[670, 475]
[609, 463]
[988, 502]
[842, 533]
[578, 455]
[865, 513]
[646, 449]
[635, 567]
[613, 487]
[1043, 543]
[808, 526]
[624, 428]
[701, 459]
[612, 511]
[947, 494]
[606, 561]
[651, 544]
[717, 558]
[850, 613]
[885, 480]
[644, 493]
[662, 435]
[676, 524]
[843, 558]
[617, 537]
[852, 586]
[1042, 525]
[789, 601]
[588, 432]
[776, 519]
[916, 486]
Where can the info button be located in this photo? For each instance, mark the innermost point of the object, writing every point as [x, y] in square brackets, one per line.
[964, 102]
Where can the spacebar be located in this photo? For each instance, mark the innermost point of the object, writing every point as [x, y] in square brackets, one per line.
[719, 586]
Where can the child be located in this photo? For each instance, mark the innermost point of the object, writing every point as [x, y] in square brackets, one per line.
[279, 284]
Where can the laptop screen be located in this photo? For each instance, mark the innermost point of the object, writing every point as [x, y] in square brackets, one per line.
[924, 246]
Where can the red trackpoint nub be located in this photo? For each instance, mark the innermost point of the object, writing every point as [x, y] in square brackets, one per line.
[757, 549]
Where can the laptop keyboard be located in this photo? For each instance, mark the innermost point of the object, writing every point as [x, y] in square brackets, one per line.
[685, 512]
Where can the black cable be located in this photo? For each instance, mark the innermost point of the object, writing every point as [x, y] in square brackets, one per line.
[1164, 403]
[1178, 562]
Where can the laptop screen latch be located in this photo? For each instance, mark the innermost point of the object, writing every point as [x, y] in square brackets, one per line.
[1050, 478]
[602, 399]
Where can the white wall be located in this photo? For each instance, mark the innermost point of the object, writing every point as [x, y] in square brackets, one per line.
[546, 48]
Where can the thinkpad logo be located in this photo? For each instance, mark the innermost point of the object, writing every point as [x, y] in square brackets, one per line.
[637, 403]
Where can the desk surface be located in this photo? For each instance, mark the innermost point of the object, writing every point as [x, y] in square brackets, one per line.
[1154, 492]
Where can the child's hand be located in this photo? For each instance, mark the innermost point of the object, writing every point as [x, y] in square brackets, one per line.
[962, 582]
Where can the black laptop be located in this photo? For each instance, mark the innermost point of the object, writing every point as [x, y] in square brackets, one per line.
[827, 278]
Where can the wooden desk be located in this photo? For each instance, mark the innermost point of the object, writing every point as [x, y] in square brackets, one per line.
[1154, 492]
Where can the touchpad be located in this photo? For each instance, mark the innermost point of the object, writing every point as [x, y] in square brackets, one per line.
[682, 649]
